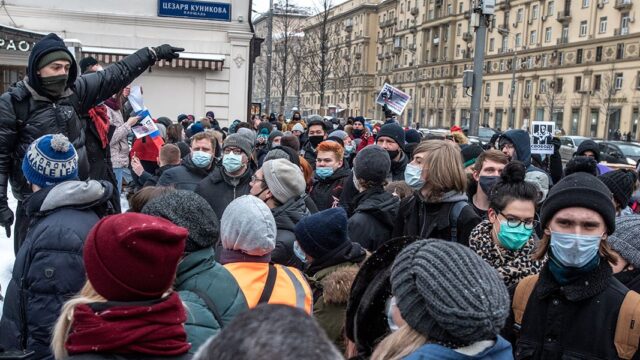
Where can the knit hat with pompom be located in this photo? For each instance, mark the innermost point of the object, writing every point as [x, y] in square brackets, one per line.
[50, 160]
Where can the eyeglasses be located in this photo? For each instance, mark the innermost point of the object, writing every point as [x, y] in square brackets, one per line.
[514, 222]
[235, 151]
[255, 178]
[507, 146]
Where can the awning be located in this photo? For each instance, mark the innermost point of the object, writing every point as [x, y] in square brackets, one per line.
[186, 61]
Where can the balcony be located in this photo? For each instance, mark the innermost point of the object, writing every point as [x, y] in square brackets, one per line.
[623, 4]
[468, 37]
[621, 31]
[564, 16]
[562, 41]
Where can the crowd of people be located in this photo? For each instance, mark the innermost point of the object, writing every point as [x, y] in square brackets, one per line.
[311, 238]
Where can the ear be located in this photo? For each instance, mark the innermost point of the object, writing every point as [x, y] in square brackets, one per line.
[476, 175]
[491, 214]
[341, 162]
[547, 232]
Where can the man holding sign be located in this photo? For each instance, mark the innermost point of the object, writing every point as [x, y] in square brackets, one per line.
[52, 99]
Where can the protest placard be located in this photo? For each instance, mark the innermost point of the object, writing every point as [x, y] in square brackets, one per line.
[395, 99]
[541, 136]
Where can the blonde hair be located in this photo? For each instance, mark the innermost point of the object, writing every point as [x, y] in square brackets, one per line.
[443, 166]
[87, 295]
[459, 137]
[399, 344]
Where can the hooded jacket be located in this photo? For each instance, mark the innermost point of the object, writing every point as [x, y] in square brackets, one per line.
[211, 295]
[326, 193]
[219, 189]
[27, 114]
[287, 216]
[522, 144]
[186, 176]
[49, 269]
[375, 214]
[590, 145]
[500, 350]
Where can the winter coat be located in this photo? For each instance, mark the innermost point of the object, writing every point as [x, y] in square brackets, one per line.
[48, 269]
[364, 140]
[211, 295]
[325, 193]
[398, 167]
[501, 350]
[418, 217]
[119, 143]
[219, 189]
[574, 321]
[309, 154]
[372, 223]
[512, 265]
[90, 356]
[26, 115]
[146, 179]
[186, 176]
[287, 216]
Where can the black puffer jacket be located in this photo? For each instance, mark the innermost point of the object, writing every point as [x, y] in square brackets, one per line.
[287, 216]
[25, 114]
[309, 154]
[186, 176]
[49, 268]
[372, 223]
[219, 189]
[326, 193]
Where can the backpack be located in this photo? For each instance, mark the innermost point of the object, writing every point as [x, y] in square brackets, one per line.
[627, 333]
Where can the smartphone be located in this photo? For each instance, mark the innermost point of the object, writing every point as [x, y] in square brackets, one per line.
[16, 354]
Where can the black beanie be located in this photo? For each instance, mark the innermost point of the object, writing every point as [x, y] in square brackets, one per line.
[580, 190]
[470, 153]
[48, 44]
[86, 63]
[323, 232]
[372, 164]
[621, 184]
[393, 131]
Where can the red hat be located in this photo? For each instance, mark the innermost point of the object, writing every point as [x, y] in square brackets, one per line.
[455, 128]
[131, 257]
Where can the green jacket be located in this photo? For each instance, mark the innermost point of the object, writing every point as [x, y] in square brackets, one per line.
[205, 285]
[331, 288]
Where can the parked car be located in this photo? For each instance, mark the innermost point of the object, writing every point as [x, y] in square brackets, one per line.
[620, 152]
[569, 145]
[484, 133]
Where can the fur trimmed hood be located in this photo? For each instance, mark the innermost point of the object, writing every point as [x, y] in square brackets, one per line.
[336, 286]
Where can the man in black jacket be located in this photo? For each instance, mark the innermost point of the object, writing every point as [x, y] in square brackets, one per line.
[195, 166]
[391, 138]
[51, 100]
[168, 159]
[317, 132]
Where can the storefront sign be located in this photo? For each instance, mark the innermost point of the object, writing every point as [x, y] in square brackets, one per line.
[16, 45]
[17, 41]
[204, 10]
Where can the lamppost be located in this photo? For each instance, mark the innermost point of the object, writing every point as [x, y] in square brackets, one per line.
[483, 12]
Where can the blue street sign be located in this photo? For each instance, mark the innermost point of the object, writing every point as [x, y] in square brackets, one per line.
[204, 10]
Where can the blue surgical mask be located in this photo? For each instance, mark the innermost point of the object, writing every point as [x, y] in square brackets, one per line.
[299, 253]
[232, 162]
[349, 149]
[573, 250]
[413, 176]
[324, 172]
[201, 159]
[513, 238]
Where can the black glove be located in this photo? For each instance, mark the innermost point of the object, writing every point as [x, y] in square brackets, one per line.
[6, 218]
[167, 52]
[556, 145]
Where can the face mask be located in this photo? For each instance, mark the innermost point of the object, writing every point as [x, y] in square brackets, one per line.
[324, 172]
[315, 140]
[357, 133]
[391, 303]
[296, 118]
[335, 126]
[232, 162]
[393, 154]
[349, 149]
[574, 250]
[297, 251]
[487, 183]
[54, 86]
[201, 159]
[513, 238]
[413, 176]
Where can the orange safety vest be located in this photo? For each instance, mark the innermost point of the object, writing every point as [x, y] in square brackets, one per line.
[290, 287]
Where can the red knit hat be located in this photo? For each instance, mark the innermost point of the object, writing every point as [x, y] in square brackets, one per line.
[131, 257]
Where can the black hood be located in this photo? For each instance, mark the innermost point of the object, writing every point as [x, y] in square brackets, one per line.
[589, 145]
[289, 214]
[380, 204]
[48, 44]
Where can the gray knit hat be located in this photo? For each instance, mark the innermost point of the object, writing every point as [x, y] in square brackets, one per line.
[248, 134]
[626, 239]
[237, 140]
[372, 164]
[448, 293]
[284, 179]
[189, 210]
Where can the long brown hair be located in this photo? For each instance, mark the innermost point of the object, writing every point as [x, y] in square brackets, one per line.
[443, 167]
[542, 248]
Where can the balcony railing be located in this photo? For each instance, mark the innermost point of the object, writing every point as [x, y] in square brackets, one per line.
[623, 4]
[564, 16]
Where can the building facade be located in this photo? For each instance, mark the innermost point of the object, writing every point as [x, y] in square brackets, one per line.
[574, 62]
[212, 73]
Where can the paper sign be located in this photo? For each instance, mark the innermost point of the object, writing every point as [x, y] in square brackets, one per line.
[395, 99]
[145, 126]
[541, 136]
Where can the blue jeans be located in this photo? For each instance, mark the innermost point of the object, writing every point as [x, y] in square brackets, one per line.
[121, 173]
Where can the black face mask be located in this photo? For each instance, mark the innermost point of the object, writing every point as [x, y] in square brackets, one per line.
[296, 118]
[357, 133]
[53, 86]
[315, 140]
[626, 277]
[393, 154]
[487, 183]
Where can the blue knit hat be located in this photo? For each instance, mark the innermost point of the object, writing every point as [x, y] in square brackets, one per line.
[323, 232]
[50, 159]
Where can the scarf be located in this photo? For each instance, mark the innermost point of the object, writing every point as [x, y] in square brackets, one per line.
[150, 327]
[566, 275]
[100, 119]
[113, 103]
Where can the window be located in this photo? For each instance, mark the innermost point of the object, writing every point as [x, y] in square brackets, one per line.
[618, 82]
[460, 8]
[579, 56]
[533, 37]
[458, 50]
[575, 120]
[583, 28]
[594, 122]
[565, 33]
[638, 80]
[559, 84]
[634, 121]
[619, 51]
[500, 88]
[519, 15]
[505, 43]
[499, 113]
[602, 28]
[492, 44]
[597, 80]
[459, 29]
[585, 3]
[518, 40]
[577, 83]
[528, 86]
[543, 86]
[547, 35]
[487, 89]
[598, 53]
[551, 8]
[534, 12]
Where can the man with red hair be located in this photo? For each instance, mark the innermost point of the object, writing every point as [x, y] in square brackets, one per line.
[330, 176]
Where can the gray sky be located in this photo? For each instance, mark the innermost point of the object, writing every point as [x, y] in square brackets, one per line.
[263, 5]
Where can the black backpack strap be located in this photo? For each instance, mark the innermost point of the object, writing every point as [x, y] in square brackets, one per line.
[210, 305]
[454, 214]
[269, 284]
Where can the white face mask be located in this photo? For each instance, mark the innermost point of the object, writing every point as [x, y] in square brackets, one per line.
[356, 183]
